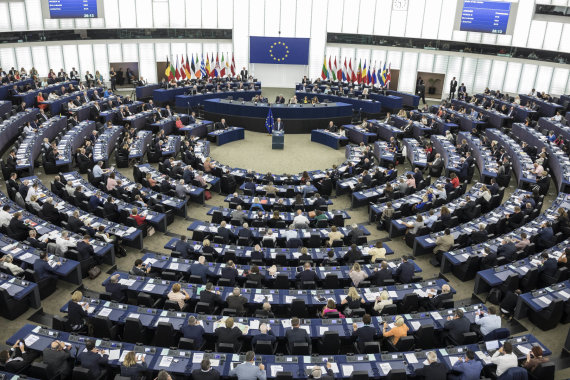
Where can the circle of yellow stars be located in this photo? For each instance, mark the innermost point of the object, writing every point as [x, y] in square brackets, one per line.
[276, 44]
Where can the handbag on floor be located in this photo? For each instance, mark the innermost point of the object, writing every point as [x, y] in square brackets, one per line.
[94, 272]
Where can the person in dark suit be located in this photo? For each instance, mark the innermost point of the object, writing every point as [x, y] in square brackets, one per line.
[17, 358]
[545, 238]
[32, 241]
[205, 372]
[455, 327]
[94, 359]
[221, 124]
[236, 301]
[549, 266]
[489, 259]
[365, 333]
[182, 246]
[352, 255]
[436, 302]
[452, 88]
[133, 368]
[225, 233]
[77, 312]
[74, 223]
[507, 249]
[200, 269]
[49, 211]
[405, 271]
[229, 334]
[84, 248]
[42, 269]
[95, 201]
[296, 334]
[194, 331]
[229, 272]
[243, 74]
[308, 274]
[434, 370]
[211, 297]
[11, 162]
[56, 357]
[480, 235]
[379, 275]
[18, 227]
[279, 99]
[118, 291]
[278, 125]
[516, 219]
[111, 210]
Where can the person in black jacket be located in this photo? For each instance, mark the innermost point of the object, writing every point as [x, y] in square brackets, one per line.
[489, 259]
[365, 333]
[230, 272]
[205, 372]
[507, 249]
[211, 297]
[93, 359]
[480, 235]
[515, 220]
[509, 303]
[229, 334]
[380, 274]
[118, 291]
[77, 312]
[405, 271]
[308, 274]
[32, 241]
[297, 334]
[17, 358]
[352, 255]
[434, 370]
[194, 331]
[455, 327]
[85, 249]
[254, 275]
[185, 249]
[74, 223]
[133, 368]
[49, 211]
[111, 210]
[19, 230]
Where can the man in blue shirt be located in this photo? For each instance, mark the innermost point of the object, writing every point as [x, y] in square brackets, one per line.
[545, 238]
[194, 331]
[183, 247]
[468, 367]
[95, 201]
[248, 370]
[488, 323]
[43, 269]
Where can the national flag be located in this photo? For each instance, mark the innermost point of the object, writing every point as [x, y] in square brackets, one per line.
[332, 74]
[217, 67]
[338, 69]
[228, 69]
[364, 74]
[177, 73]
[212, 67]
[324, 72]
[203, 69]
[368, 76]
[382, 77]
[344, 71]
[223, 67]
[187, 67]
[269, 122]
[374, 76]
[351, 73]
[388, 76]
[198, 70]
[233, 66]
[182, 68]
[359, 72]
[207, 65]
[168, 71]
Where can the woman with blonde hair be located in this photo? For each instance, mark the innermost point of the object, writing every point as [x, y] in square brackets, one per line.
[353, 301]
[382, 301]
[178, 295]
[356, 274]
[77, 312]
[208, 165]
[399, 330]
[6, 262]
[131, 368]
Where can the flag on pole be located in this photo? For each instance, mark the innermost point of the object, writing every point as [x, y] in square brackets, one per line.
[233, 66]
[269, 121]
[388, 76]
[364, 74]
[207, 66]
[338, 69]
[177, 73]
[332, 74]
[369, 76]
[203, 71]
[352, 73]
[168, 71]
[324, 72]
[223, 67]
[374, 75]
[359, 72]
[344, 71]
[228, 69]
[381, 76]
[187, 67]
[212, 67]
[182, 68]
[217, 67]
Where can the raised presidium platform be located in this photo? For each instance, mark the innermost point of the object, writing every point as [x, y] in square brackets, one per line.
[228, 135]
[277, 140]
[334, 140]
[297, 118]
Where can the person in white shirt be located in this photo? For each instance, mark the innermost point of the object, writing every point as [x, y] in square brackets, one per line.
[64, 242]
[485, 193]
[556, 117]
[489, 322]
[33, 190]
[439, 192]
[289, 234]
[300, 219]
[5, 216]
[98, 170]
[269, 236]
[504, 358]
[431, 219]
[13, 268]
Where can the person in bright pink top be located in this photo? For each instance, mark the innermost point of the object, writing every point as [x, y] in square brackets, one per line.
[331, 308]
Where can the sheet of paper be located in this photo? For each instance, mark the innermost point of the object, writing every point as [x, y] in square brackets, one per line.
[323, 330]
[334, 367]
[347, 370]
[523, 349]
[114, 354]
[436, 315]
[393, 294]
[453, 359]
[197, 358]
[31, 339]
[385, 367]
[148, 288]
[545, 300]
[254, 324]
[275, 369]
[105, 312]
[306, 328]
[416, 325]
[286, 323]
[411, 358]
[165, 361]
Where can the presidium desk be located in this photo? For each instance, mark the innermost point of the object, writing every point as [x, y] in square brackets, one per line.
[297, 118]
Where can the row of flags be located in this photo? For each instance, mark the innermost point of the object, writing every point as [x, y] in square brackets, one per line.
[345, 73]
[195, 67]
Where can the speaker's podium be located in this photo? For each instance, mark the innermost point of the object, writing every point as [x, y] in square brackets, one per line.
[277, 140]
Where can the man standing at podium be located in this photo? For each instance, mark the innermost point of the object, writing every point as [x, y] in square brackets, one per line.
[278, 125]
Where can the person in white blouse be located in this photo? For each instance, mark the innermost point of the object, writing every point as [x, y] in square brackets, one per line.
[5, 216]
[504, 358]
[300, 219]
[382, 301]
[6, 261]
[485, 193]
[64, 242]
[556, 117]
[33, 190]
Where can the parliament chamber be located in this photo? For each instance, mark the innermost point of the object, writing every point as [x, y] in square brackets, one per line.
[261, 189]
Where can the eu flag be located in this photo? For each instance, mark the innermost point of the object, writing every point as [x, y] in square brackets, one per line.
[269, 121]
[288, 51]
